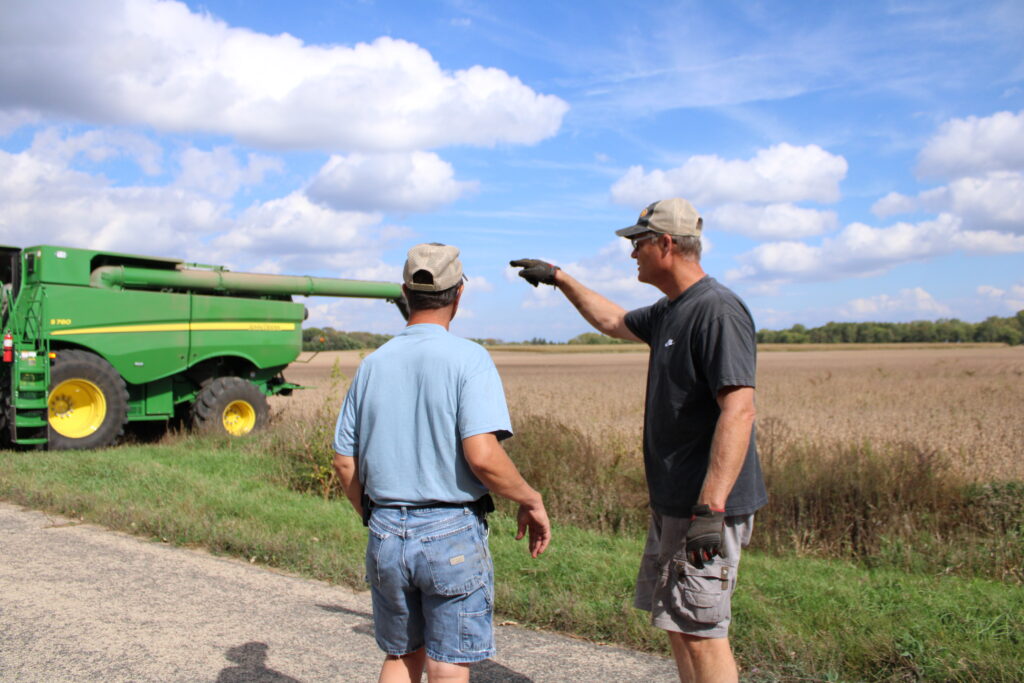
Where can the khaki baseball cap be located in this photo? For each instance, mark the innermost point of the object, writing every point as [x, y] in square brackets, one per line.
[670, 216]
[434, 267]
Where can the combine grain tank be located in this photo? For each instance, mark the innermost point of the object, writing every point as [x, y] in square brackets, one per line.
[94, 340]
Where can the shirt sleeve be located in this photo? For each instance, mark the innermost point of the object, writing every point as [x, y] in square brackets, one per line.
[639, 322]
[346, 434]
[729, 354]
[482, 407]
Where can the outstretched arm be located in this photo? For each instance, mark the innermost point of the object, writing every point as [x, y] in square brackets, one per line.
[495, 469]
[606, 316]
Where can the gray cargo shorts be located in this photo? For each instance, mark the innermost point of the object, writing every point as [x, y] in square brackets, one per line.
[679, 596]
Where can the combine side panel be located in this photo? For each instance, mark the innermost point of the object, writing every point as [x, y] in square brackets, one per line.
[268, 333]
[144, 335]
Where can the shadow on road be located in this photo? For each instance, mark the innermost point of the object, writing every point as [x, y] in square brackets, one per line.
[251, 659]
[487, 671]
[365, 629]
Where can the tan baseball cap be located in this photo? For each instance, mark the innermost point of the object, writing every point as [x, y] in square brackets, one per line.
[670, 216]
[434, 267]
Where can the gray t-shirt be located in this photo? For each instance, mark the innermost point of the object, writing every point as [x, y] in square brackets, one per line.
[701, 342]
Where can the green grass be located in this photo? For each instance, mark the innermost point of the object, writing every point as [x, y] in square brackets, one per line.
[795, 617]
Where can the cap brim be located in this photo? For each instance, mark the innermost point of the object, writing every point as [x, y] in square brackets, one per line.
[633, 230]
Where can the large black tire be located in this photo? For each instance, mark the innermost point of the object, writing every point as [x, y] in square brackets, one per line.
[87, 402]
[230, 405]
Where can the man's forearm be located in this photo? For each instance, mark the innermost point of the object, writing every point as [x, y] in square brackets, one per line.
[347, 469]
[496, 471]
[492, 466]
[728, 447]
[606, 316]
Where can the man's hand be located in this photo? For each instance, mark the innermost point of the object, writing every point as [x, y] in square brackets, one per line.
[704, 537]
[536, 520]
[535, 271]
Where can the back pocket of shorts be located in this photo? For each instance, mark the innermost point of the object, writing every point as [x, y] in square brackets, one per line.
[702, 595]
[456, 560]
[375, 546]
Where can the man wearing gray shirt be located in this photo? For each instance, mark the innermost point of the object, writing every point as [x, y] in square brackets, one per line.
[703, 473]
[417, 444]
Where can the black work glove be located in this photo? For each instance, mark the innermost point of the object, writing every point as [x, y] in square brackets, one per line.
[535, 271]
[704, 537]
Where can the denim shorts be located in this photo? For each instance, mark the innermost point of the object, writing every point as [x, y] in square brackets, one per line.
[432, 582]
[680, 596]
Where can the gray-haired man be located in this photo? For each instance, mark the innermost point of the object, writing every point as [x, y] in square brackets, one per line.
[703, 473]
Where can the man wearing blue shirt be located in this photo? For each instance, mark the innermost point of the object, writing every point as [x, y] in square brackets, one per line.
[703, 473]
[417, 441]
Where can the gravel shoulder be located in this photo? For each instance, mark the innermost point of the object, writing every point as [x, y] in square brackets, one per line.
[82, 603]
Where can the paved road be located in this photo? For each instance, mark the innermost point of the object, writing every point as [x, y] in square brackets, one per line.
[82, 603]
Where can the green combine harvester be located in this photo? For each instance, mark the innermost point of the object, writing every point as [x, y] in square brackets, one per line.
[93, 340]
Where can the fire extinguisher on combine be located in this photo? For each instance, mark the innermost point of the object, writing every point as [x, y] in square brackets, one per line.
[8, 348]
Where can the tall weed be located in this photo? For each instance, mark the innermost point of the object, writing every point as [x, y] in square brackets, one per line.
[594, 484]
[302, 442]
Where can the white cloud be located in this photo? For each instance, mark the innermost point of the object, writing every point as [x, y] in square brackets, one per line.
[1012, 299]
[351, 315]
[44, 200]
[893, 204]
[860, 250]
[612, 272]
[97, 146]
[771, 221]
[12, 120]
[543, 296]
[782, 173]
[159, 64]
[218, 172]
[293, 225]
[416, 181]
[972, 146]
[915, 301]
[995, 200]
[478, 283]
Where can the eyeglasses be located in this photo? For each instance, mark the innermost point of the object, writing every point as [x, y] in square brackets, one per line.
[637, 241]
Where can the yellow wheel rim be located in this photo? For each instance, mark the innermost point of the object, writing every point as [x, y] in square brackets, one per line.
[238, 418]
[77, 408]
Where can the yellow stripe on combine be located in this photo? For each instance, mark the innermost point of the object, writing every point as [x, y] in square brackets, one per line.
[181, 327]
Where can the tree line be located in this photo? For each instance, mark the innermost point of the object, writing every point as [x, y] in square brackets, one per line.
[1008, 330]
[330, 339]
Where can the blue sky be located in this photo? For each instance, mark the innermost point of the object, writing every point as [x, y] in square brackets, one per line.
[853, 161]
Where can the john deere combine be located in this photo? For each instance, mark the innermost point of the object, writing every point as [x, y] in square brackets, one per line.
[94, 340]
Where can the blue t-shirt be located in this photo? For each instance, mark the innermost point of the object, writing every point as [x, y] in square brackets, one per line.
[411, 403]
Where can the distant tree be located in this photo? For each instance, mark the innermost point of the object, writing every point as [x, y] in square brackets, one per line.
[595, 338]
[330, 339]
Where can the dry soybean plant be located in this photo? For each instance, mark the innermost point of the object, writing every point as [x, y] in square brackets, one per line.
[912, 454]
